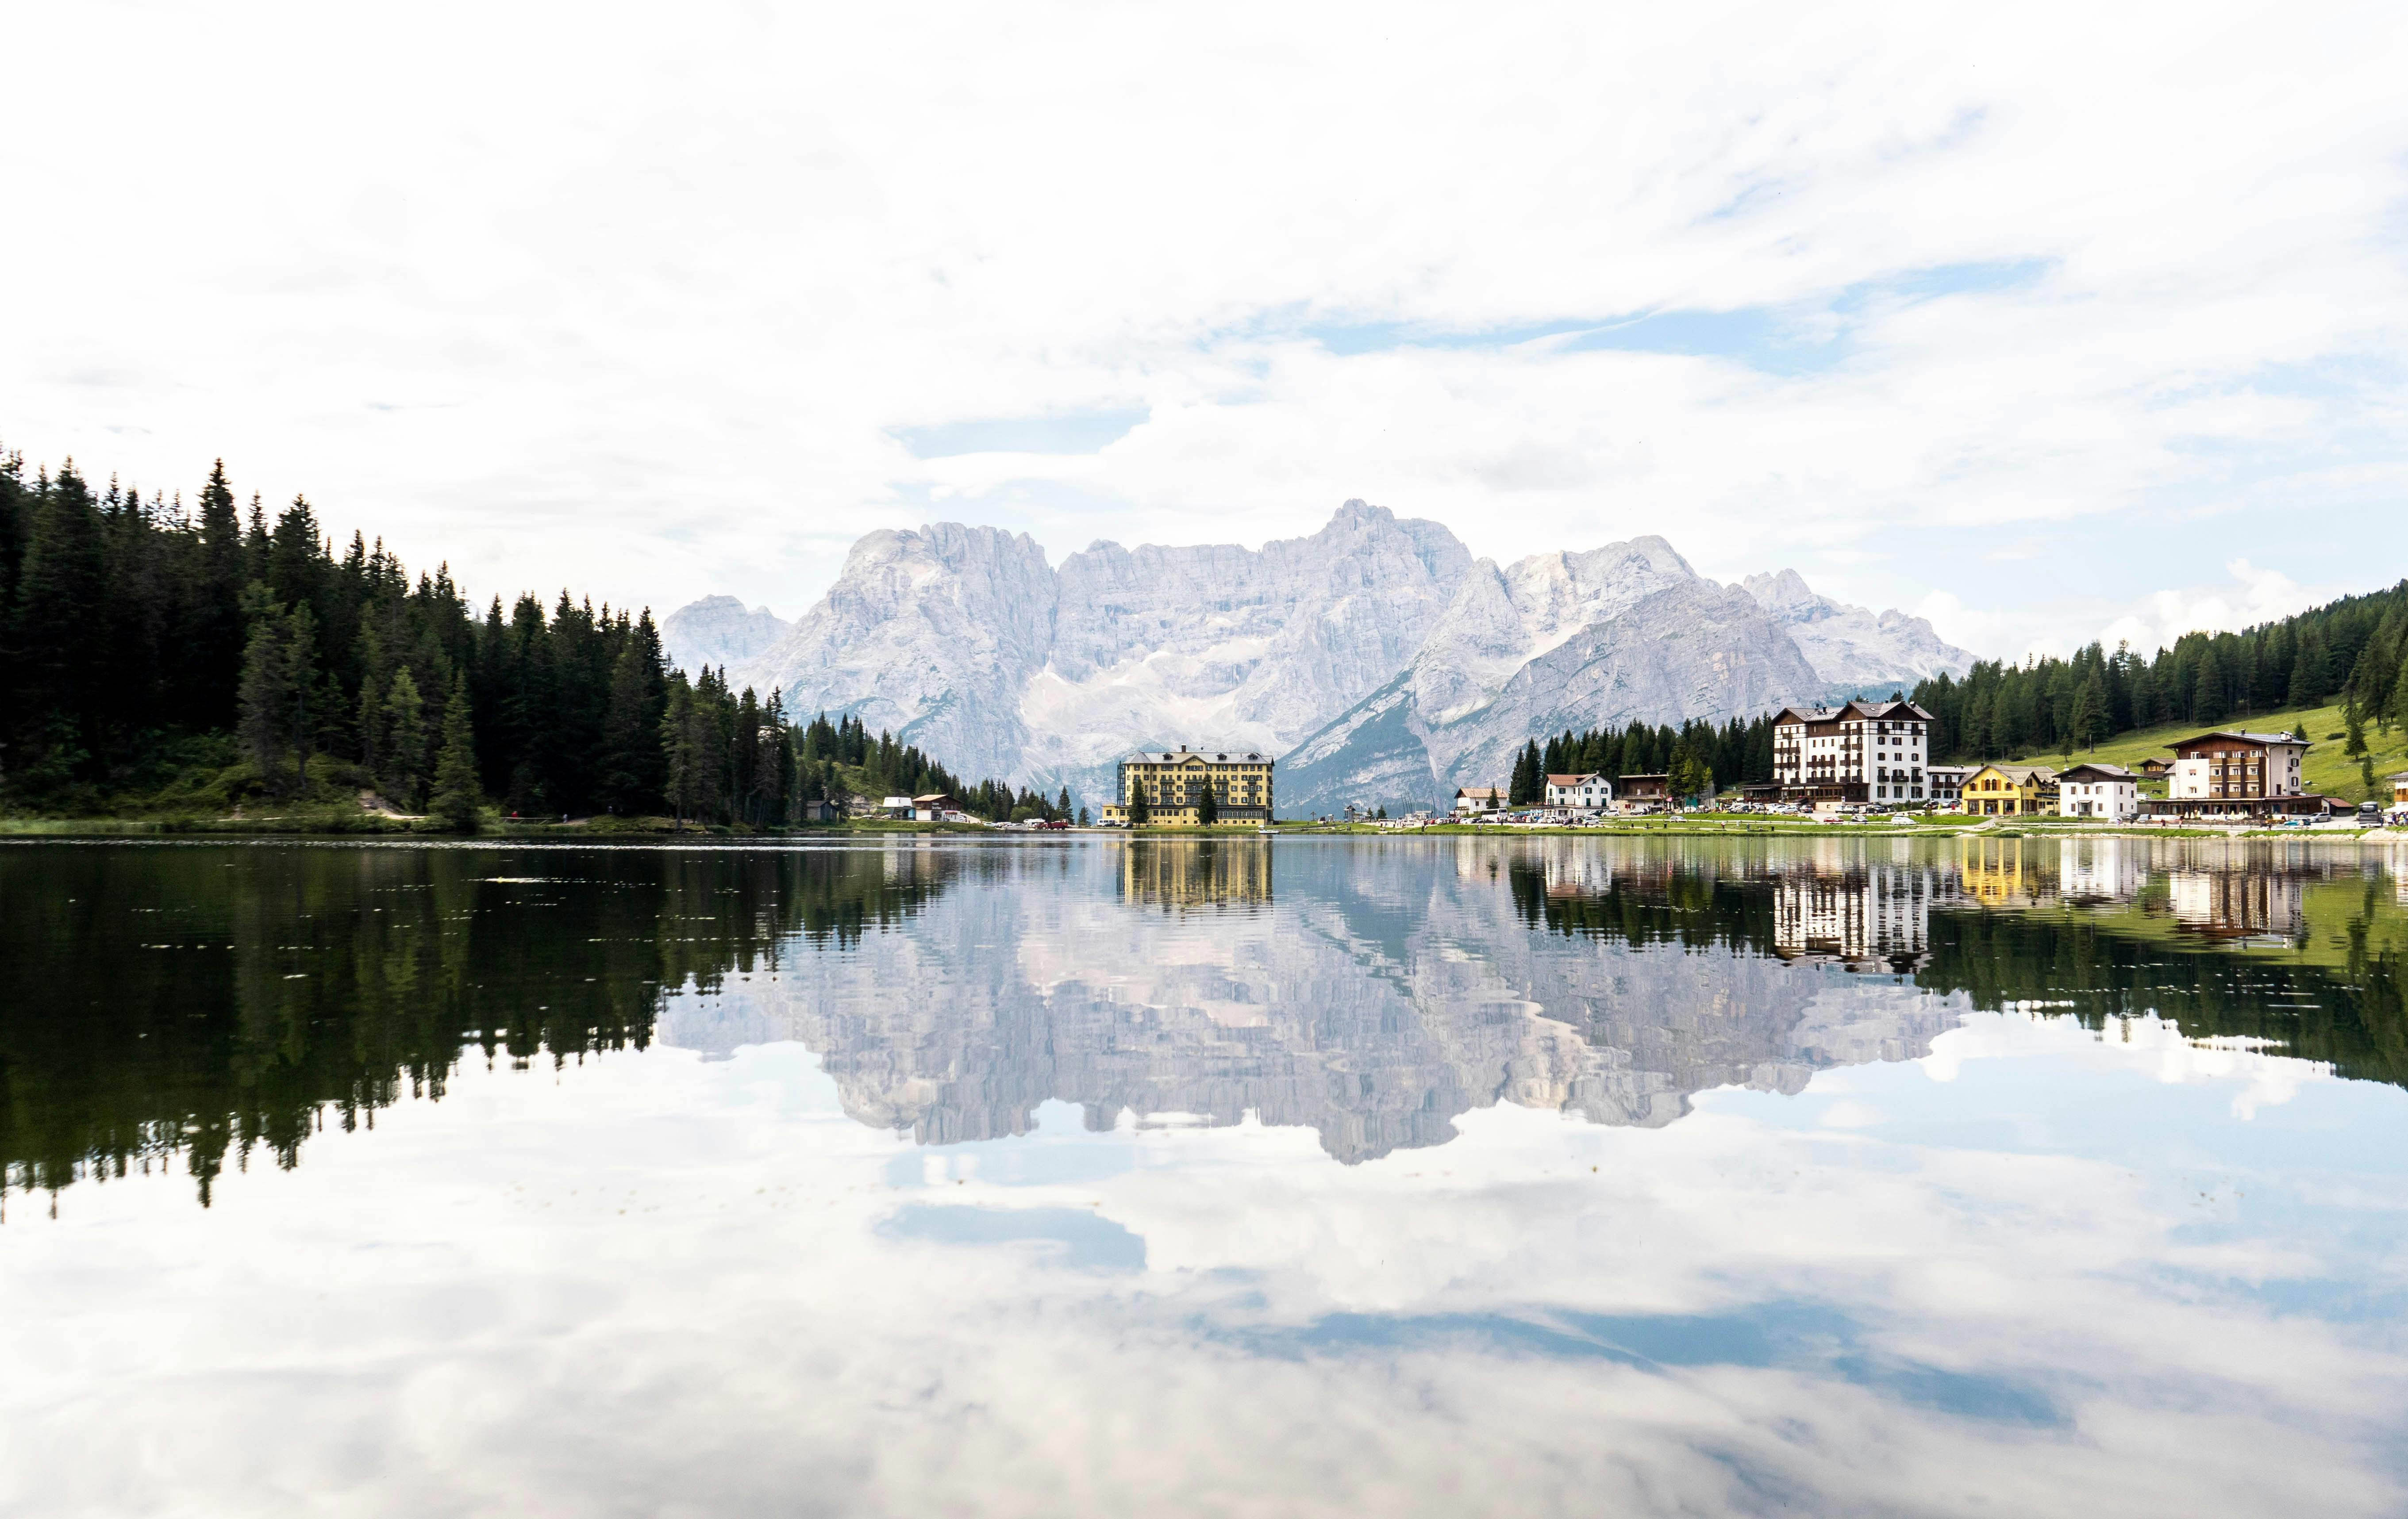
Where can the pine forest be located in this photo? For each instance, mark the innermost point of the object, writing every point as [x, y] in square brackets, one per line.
[167, 660]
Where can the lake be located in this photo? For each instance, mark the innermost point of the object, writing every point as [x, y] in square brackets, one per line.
[1087, 1175]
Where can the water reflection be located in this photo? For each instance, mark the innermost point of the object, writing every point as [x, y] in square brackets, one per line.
[1197, 873]
[2109, 1245]
[211, 1002]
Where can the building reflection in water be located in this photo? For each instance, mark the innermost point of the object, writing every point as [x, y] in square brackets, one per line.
[2257, 906]
[1869, 917]
[2090, 871]
[1195, 871]
[1998, 873]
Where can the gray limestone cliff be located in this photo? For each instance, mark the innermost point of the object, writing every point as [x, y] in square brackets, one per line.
[1625, 634]
[1850, 646]
[1375, 657]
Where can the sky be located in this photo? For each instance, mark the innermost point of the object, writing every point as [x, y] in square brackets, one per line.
[2049, 323]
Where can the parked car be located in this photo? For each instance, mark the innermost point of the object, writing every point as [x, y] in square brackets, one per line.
[2371, 814]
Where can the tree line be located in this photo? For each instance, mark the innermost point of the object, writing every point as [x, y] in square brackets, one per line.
[142, 642]
[2354, 649]
[1696, 756]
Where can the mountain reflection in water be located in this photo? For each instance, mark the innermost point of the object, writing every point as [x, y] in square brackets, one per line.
[217, 1001]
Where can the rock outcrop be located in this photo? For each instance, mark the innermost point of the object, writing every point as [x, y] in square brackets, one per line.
[1625, 634]
[930, 635]
[1850, 646]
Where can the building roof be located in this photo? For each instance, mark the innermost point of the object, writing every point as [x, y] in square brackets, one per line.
[1476, 792]
[1851, 711]
[932, 796]
[1655, 776]
[2113, 773]
[1172, 756]
[2020, 774]
[1568, 782]
[2242, 734]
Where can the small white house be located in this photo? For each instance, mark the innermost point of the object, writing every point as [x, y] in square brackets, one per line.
[1948, 782]
[1588, 793]
[2094, 790]
[896, 807]
[1471, 800]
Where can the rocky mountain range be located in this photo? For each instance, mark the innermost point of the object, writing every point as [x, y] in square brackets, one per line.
[1377, 658]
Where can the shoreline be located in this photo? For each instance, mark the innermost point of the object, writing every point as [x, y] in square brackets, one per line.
[366, 828]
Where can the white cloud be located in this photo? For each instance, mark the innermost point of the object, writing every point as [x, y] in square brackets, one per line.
[2148, 622]
[2254, 595]
[643, 309]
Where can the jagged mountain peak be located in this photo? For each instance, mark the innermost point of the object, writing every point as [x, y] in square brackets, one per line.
[1375, 648]
[1851, 646]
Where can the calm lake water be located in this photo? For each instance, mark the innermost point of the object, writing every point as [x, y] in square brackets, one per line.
[1082, 1176]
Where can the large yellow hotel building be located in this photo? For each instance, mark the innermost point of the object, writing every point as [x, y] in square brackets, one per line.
[1174, 780]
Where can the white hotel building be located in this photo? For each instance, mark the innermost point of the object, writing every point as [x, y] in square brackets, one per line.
[1868, 752]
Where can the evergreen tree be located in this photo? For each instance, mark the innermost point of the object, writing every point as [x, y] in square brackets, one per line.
[1139, 814]
[459, 796]
[213, 633]
[631, 775]
[2207, 693]
[267, 693]
[681, 784]
[2089, 724]
[403, 775]
[1208, 806]
[1526, 785]
[2307, 672]
[307, 692]
[280, 678]
[62, 677]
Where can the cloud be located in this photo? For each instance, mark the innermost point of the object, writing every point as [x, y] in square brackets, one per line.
[660, 310]
[659, 1281]
[2253, 596]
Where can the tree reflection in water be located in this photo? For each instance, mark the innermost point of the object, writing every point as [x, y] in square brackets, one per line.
[210, 1001]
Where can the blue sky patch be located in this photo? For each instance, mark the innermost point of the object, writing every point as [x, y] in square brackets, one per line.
[1086, 1240]
[1065, 432]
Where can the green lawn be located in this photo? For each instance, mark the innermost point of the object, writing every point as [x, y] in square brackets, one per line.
[2328, 770]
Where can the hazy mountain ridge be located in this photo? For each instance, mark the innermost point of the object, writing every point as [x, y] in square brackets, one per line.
[1376, 658]
[716, 630]
[1850, 645]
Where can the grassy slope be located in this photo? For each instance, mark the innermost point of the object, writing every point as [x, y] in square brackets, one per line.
[2328, 770]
